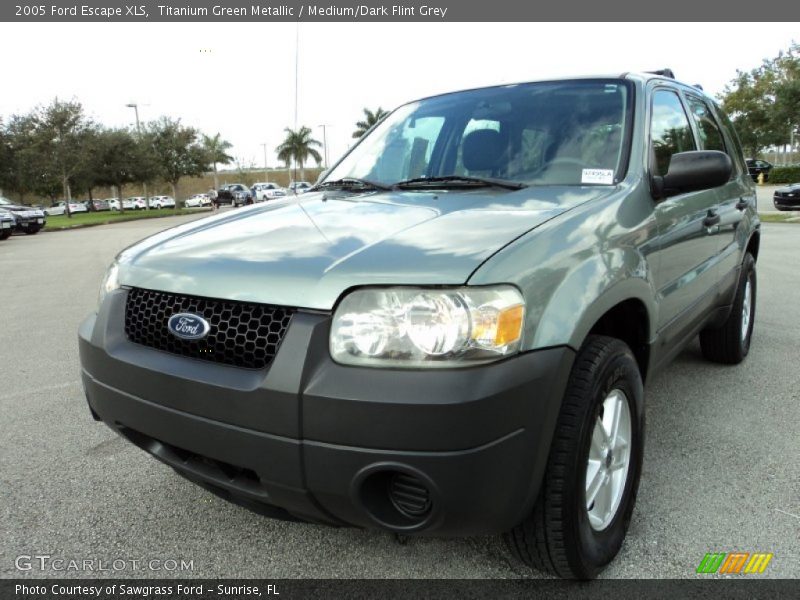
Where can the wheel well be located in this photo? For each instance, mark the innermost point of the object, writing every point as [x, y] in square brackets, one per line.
[628, 322]
[753, 244]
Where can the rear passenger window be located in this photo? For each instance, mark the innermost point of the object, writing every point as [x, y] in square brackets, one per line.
[710, 134]
[670, 131]
[735, 151]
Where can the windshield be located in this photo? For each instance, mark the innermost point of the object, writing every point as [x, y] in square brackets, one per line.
[552, 133]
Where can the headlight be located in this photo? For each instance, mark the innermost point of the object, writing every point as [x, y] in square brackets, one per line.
[419, 327]
[110, 282]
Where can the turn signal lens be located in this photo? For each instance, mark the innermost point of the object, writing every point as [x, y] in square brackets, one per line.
[509, 325]
[495, 328]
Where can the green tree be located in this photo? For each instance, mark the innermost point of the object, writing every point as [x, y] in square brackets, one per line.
[370, 119]
[299, 146]
[6, 173]
[749, 101]
[176, 150]
[61, 133]
[25, 168]
[787, 89]
[85, 178]
[764, 102]
[120, 159]
[217, 153]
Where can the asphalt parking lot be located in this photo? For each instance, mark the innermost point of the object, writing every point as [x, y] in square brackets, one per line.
[722, 465]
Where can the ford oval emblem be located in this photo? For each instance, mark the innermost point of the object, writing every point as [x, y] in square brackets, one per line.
[188, 326]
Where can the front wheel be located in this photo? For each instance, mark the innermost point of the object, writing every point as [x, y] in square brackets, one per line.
[730, 343]
[585, 503]
[32, 230]
[5, 234]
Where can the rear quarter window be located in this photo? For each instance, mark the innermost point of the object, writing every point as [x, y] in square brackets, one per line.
[707, 128]
[734, 144]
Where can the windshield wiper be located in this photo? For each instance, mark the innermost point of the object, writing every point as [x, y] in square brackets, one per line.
[351, 182]
[458, 181]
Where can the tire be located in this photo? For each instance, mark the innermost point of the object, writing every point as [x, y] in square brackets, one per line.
[32, 230]
[560, 536]
[730, 343]
[5, 234]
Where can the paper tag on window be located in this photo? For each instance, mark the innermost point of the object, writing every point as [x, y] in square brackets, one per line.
[597, 176]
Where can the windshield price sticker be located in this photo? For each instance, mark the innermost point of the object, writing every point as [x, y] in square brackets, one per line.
[605, 176]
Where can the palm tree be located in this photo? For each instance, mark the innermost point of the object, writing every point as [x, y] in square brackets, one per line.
[298, 145]
[371, 118]
[216, 149]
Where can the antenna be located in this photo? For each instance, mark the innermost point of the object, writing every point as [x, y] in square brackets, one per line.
[296, 86]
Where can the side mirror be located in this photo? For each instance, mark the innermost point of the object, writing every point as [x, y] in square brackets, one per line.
[693, 171]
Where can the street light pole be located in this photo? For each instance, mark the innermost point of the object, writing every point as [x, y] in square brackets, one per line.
[135, 108]
[324, 145]
[266, 172]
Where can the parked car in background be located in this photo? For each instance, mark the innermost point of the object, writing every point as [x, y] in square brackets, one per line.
[7, 224]
[756, 167]
[135, 202]
[267, 191]
[60, 208]
[299, 187]
[235, 194]
[162, 202]
[97, 205]
[113, 203]
[787, 197]
[28, 220]
[197, 201]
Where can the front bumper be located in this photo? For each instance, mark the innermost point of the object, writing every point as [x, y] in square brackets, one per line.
[312, 439]
[30, 221]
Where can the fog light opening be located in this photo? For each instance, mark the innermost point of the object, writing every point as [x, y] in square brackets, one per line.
[397, 500]
[409, 495]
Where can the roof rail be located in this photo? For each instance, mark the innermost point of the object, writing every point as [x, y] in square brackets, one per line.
[663, 73]
[698, 86]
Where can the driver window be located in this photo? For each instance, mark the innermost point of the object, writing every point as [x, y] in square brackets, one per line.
[670, 132]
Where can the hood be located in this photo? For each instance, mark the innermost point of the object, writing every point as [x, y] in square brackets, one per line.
[305, 251]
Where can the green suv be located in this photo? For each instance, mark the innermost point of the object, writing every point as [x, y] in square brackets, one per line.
[451, 332]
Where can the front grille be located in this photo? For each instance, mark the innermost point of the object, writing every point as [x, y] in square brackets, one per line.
[241, 334]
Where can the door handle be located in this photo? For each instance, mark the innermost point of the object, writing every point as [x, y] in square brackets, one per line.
[712, 218]
[742, 204]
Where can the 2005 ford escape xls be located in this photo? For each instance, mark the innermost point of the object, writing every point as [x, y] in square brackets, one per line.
[450, 333]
